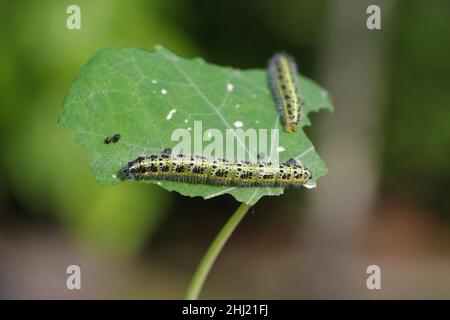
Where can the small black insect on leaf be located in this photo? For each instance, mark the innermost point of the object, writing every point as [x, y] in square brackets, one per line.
[112, 139]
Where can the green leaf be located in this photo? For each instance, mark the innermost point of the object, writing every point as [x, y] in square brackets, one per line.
[131, 92]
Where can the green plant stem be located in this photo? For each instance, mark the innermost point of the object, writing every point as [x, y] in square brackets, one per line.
[203, 269]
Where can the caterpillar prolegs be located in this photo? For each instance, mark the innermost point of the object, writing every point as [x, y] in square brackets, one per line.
[195, 169]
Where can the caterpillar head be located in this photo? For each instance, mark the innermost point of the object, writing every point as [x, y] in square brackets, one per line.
[308, 175]
[291, 127]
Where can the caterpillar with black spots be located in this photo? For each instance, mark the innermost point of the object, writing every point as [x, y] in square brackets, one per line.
[200, 170]
[282, 73]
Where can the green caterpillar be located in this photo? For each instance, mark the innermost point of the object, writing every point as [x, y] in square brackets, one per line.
[194, 169]
[282, 73]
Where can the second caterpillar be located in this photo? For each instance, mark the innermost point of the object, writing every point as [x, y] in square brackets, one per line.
[282, 73]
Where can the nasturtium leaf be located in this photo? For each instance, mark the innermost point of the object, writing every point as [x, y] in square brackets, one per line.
[144, 96]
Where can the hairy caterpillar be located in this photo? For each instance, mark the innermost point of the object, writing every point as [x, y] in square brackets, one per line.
[112, 139]
[282, 73]
[194, 169]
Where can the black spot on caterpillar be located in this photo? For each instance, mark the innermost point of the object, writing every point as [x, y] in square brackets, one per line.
[112, 139]
[282, 73]
[199, 170]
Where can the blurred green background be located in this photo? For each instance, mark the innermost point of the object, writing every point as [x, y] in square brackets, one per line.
[136, 240]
